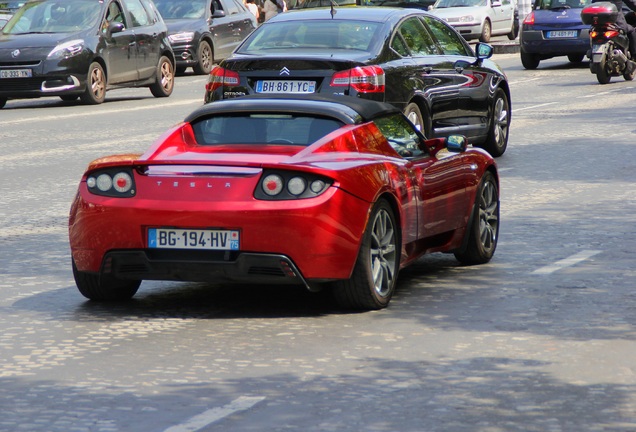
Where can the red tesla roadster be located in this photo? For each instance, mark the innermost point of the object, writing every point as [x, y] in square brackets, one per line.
[324, 192]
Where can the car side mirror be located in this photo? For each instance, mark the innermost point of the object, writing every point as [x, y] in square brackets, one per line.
[453, 144]
[218, 13]
[456, 143]
[483, 50]
[115, 27]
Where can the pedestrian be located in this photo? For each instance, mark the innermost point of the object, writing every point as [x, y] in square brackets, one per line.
[253, 8]
[270, 8]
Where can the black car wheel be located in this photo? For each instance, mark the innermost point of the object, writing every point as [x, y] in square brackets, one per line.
[514, 31]
[164, 83]
[104, 288]
[483, 228]
[206, 59]
[576, 58]
[497, 140]
[485, 32]
[95, 92]
[3, 102]
[374, 276]
[529, 61]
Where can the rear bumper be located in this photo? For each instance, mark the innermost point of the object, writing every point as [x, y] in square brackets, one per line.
[534, 42]
[149, 264]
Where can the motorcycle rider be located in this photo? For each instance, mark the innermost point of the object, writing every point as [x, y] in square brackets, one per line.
[629, 30]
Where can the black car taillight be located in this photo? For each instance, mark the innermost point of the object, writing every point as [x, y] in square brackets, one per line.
[112, 182]
[363, 79]
[220, 77]
[281, 185]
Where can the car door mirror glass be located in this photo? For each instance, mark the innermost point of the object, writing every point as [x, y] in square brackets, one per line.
[484, 50]
[456, 143]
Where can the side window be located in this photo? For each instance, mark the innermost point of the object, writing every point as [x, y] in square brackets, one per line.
[114, 15]
[138, 14]
[450, 42]
[399, 46]
[417, 38]
[237, 6]
[400, 134]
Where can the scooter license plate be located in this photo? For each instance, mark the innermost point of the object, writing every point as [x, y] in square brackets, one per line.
[597, 53]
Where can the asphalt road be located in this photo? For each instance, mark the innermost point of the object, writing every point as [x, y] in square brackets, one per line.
[540, 339]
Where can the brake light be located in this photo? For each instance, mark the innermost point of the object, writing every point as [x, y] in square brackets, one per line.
[609, 34]
[363, 79]
[220, 77]
[593, 34]
[529, 19]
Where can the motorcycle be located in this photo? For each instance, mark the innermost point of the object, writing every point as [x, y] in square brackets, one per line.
[609, 54]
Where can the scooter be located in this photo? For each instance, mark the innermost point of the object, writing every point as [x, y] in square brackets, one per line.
[609, 54]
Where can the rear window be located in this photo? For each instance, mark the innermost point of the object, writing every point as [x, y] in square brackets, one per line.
[302, 35]
[560, 4]
[263, 129]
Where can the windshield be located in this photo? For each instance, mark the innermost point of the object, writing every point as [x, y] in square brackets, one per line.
[54, 16]
[266, 128]
[10, 6]
[302, 35]
[458, 3]
[180, 9]
[562, 4]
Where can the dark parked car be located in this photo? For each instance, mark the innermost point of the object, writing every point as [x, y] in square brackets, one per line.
[554, 28]
[406, 57]
[82, 48]
[203, 32]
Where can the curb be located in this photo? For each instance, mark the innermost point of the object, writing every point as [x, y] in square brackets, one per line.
[506, 48]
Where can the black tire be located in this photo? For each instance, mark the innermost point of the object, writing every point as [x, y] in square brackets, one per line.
[3, 102]
[95, 92]
[576, 58]
[514, 31]
[602, 76]
[205, 59]
[486, 32]
[497, 140]
[69, 98]
[530, 61]
[483, 231]
[104, 288]
[629, 76]
[421, 121]
[164, 83]
[375, 273]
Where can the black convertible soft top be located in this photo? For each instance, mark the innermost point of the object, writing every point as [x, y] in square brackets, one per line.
[348, 109]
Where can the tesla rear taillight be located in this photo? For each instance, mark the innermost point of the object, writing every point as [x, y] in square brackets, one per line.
[363, 79]
[285, 185]
[220, 77]
[529, 19]
[113, 182]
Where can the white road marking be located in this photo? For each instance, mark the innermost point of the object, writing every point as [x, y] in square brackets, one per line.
[533, 106]
[567, 262]
[100, 112]
[210, 416]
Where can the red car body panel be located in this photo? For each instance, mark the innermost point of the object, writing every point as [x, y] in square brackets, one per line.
[359, 160]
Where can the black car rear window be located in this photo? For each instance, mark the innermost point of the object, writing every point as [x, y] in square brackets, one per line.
[320, 34]
[53, 16]
[266, 128]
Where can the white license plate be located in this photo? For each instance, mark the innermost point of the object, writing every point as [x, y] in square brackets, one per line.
[180, 238]
[561, 34]
[16, 73]
[285, 86]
